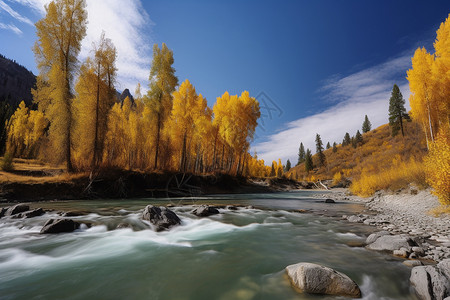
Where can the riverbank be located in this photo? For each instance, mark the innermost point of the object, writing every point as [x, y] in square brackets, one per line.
[117, 184]
[407, 212]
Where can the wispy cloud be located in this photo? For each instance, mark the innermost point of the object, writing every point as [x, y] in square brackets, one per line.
[15, 14]
[127, 25]
[11, 27]
[365, 92]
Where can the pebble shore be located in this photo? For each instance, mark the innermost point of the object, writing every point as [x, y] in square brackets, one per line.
[406, 212]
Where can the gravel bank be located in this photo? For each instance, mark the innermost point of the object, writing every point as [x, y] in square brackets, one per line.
[406, 212]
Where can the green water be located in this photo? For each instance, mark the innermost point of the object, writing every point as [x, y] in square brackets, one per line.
[234, 255]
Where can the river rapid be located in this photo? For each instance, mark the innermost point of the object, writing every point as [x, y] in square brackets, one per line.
[234, 255]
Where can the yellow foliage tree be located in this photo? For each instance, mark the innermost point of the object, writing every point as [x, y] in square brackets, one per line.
[25, 131]
[437, 166]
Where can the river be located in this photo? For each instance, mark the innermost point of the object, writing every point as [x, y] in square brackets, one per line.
[234, 255]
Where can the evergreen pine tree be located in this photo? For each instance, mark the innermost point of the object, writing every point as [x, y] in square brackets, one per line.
[272, 171]
[328, 145]
[366, 126]
[397, 111]
[334, 147]
[319, 150]
[308, 161]
[346, 140]
[288, 165]
[358, 138]
[301, 154]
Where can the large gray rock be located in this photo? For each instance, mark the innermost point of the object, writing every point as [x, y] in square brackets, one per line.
[162, 217]
[374, 236]
[391, 243]
[317, 279]
[60, 225]
[17, 209]
[205, 211]
[432, 282]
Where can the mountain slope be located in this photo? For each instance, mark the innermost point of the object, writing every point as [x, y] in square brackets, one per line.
[15, 82]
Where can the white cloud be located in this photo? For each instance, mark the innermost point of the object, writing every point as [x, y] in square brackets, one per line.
[127, 24]
[366, 92]
[15, 14]
[11, 27]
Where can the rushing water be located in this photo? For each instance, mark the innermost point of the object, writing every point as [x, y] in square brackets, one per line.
[234, 255]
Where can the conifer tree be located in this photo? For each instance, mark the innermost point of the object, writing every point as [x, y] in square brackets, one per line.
[272, 171]
[319, 150]
[328, 145]
[347, 139]
[301, 154]
[308, 161]
[397, 111]
[288, 165]
[358, 138]
[334, 147]
[366, 126]
[60, 34]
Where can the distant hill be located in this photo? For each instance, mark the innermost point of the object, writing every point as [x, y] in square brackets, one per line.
[379, 151]
[16, 82]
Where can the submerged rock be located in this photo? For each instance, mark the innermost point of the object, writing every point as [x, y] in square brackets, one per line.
[413, 263]
[3, 211]
[317, 279]
[432, 282]
[17, 209]
[330, 201]
[162, 217]
[231, 207]
[60, 225]
[205, 211]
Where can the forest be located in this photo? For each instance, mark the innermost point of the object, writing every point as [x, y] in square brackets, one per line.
[79, 122]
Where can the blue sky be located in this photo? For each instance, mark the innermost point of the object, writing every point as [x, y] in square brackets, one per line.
[317, 66]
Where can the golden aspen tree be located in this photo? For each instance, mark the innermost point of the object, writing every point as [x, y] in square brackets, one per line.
[94, 98]
[158, 99]
[26, 128]
[60, 34]
[421, 85]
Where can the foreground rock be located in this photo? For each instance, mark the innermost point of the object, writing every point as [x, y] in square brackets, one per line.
[432, 282]
[162, 217]
[205, 211]
[60, 225]
[317, 279]
[33, 213]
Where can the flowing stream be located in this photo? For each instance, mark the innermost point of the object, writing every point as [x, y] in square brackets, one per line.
[234, 255]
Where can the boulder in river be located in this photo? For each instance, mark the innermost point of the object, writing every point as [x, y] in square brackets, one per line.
[317, 279]
[17, 209]
[60, 225]
[33, 213]
[205, 211]
[330, 201]
[432, 282]
[392, 242]
[162, 217]
[374, 236]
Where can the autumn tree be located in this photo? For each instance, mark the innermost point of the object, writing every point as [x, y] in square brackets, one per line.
[366, 126]
[308, 161]
[94, 98]
[159, 96]
[397, 111]
[319, 150]
[301, 154]
[60, 34]
[26, 128]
